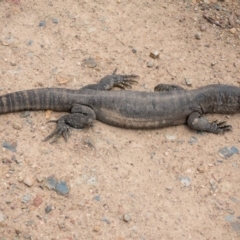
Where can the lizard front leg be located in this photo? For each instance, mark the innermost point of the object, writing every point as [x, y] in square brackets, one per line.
[110, 81]
[81, 116]
[198, 122]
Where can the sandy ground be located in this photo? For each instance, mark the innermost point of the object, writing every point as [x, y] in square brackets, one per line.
[124, 184]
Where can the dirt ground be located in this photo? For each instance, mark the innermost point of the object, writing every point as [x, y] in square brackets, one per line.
[167, 183]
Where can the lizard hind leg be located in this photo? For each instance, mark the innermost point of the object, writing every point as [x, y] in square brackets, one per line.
[198, 122]
[167, 88]
[81, 116]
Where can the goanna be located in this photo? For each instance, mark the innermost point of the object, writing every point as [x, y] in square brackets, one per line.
[168, 105]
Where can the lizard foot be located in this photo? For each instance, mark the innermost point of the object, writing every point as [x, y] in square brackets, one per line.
[62, 129]
[219, 127]
[124, 81]
[115, 80]
[200, 123]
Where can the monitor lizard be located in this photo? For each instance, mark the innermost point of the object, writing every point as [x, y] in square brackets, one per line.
[168, 105]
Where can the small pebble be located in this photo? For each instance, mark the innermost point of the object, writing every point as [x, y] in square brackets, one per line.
[97, 198]
[202, 169]
[2, 217]
[62, 188]
[55, 20]
[198, 36]
[96, 229]
[26, 198]
[90, 62]
[170, 137]
[48, 209]
[28, 181]
[134, 50]
[150, 64]
[9, 146]
[13, 63]
[42, 24]
[169, 189]
[203, 28]
[218, 6]
[30, 42]
[228, 152]
[188, 82]
[185, 181]
[213, 184]
[37, 201]
[16, 126]
[233, 30]
[192, 140]
[126, 217]
[154, 54]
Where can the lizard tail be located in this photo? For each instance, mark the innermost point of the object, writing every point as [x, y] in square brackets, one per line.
[35, 99]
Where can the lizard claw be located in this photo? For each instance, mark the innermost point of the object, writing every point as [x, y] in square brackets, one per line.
[221, 127]
[62, 129]
[124, 81]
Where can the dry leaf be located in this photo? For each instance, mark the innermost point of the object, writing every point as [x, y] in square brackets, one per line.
[231, 20]
[62, 80]
[48, 114]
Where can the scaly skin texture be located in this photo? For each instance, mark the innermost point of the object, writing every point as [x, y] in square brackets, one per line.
[169, 105]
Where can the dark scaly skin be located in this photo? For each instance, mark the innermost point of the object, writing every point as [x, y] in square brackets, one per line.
[129, 109]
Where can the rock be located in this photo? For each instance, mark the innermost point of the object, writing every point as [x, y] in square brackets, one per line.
[10, 147]
[228, 152]
[134, 50]
[89, 142]
[42, 24]
[96, 228]
[55, 20]
[198, 36]
[50, 182]
[28, 180]
[233, 30]
[154, 54]
[37, 201]
[13, 63]
[104, 219]
[203, 28]
[97, 198]
[29, 42]
[150, 64]
[62, 188]
[170, 137]
[2, 217]
[16, 126]
[188, 82]
[185, 181]
[126, 217]
[218, 6]
[48, 209]
[202, 169]
[213, 184]
[26, 198]
[90, 62]
[192, 140]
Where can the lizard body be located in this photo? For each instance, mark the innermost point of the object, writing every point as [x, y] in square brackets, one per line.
[168, 105]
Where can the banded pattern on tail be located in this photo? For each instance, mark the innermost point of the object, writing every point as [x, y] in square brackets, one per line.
[36, 99]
